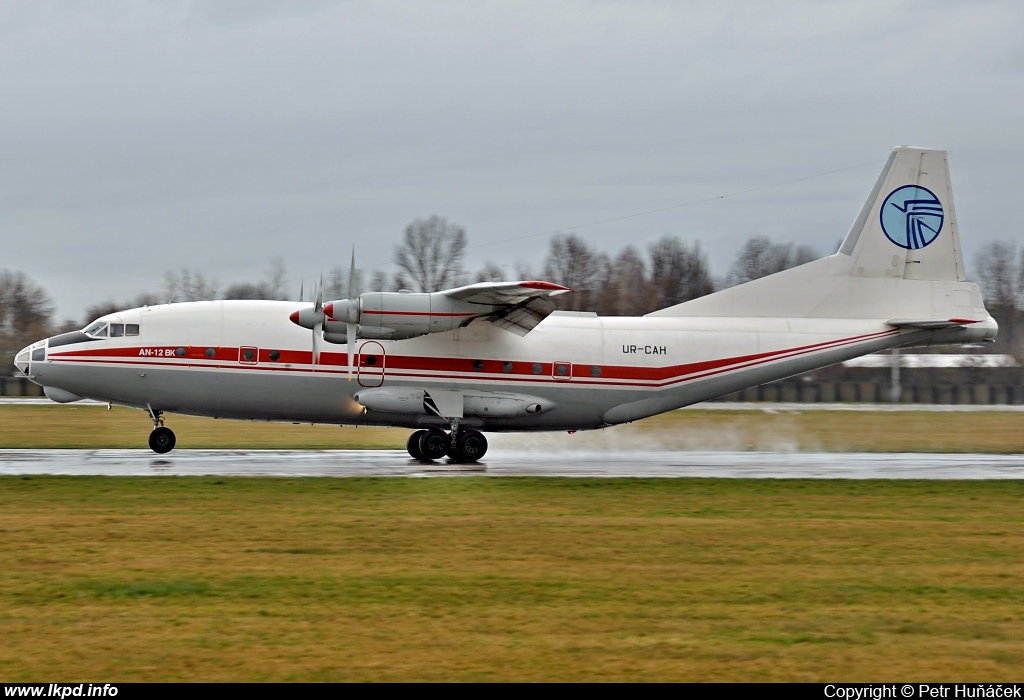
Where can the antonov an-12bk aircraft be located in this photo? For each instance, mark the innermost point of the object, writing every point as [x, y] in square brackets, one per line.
[499, 357]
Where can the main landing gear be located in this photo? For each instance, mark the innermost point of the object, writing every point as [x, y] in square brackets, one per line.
[459, 445]
[161, 440]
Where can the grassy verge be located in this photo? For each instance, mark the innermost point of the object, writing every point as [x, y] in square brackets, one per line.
[509, 579]
[95, 427]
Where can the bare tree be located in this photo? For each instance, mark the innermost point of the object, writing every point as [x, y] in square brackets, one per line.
[380, 282]
[678, 272]
[492, 272]
[275, 279]
[1001, 274]
[572, 263]
[188, 286]
[271, 287]
[109, 307]
[336, 284]
[1001, 277]
[625, 289]
[430, 256]
[760, 257]
[26, 312]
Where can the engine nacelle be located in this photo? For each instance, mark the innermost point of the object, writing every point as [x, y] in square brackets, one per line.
[400, 315]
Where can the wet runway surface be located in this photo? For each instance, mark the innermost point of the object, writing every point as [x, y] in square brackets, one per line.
[352, 463]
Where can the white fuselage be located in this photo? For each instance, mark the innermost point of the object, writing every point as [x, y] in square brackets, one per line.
[246, 360]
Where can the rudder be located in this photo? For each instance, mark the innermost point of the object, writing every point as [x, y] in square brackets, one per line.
[907, 227]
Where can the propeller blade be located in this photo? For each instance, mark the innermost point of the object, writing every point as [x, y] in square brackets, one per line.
[351, 328]
[317, 335]
[352, 291]
[350, 331]
[318, 324]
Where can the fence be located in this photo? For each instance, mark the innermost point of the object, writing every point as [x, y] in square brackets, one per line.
[798, 391]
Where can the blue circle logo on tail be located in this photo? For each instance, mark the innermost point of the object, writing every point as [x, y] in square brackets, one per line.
[912, 217]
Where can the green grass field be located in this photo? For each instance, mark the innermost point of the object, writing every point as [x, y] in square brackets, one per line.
[476, 578]
[163, 578]
[831, 431]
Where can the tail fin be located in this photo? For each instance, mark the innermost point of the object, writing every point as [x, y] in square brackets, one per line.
[900, 260]
[907, 227]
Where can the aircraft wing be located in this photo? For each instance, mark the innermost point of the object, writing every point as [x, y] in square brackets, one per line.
[500, 293]
[930, 324]
[522, 304]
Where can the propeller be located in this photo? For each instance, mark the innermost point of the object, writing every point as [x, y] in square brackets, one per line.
[351, 328]
[318, 321]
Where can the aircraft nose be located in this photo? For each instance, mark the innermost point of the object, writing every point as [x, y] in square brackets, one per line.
[36, 352]
[21, 360]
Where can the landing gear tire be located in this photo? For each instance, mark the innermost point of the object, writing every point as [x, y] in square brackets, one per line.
[470, 446]
[161, 440]
[413, 446]
[433, 444]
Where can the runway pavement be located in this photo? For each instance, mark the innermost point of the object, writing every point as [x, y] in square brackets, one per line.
[351, 463]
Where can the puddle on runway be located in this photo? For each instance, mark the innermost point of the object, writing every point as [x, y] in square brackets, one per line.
[350, 463]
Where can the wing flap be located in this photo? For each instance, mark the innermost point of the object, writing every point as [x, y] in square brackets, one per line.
[524, 317]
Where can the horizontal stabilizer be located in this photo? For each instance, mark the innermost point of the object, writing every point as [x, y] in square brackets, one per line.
[931, 324]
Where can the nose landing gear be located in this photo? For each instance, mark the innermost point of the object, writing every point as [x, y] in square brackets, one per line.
[459, 446]
[162, 439]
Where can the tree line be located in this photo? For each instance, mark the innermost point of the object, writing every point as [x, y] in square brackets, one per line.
[430, 257]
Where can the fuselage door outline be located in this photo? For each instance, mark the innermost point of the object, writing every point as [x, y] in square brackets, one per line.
[370, 364]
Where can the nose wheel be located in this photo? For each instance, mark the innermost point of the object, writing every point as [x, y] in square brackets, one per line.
[428, 445]
[161, 440]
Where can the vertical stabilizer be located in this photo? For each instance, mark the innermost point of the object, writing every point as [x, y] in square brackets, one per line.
[907, 227]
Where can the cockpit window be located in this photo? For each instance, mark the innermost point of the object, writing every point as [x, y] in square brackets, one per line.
[116, 330]
[97, 330]
[131, 329]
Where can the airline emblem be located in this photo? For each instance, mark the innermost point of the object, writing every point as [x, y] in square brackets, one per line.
[912, 217]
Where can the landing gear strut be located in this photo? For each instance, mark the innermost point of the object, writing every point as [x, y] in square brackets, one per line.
[161, 440]
[459, 445]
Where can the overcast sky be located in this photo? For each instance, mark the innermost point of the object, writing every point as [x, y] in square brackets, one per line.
[140, 137]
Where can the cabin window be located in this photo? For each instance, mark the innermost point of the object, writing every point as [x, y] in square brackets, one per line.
[248, 354]
[537, 368]
[179, 352]
[370, 360]
[478, 365]
[506, 367]
[116, 330]
[275, 356]
[561, 370]
[211, 353]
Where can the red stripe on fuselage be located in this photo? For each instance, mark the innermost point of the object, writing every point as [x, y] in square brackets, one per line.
[411, 367]
[419, 313]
